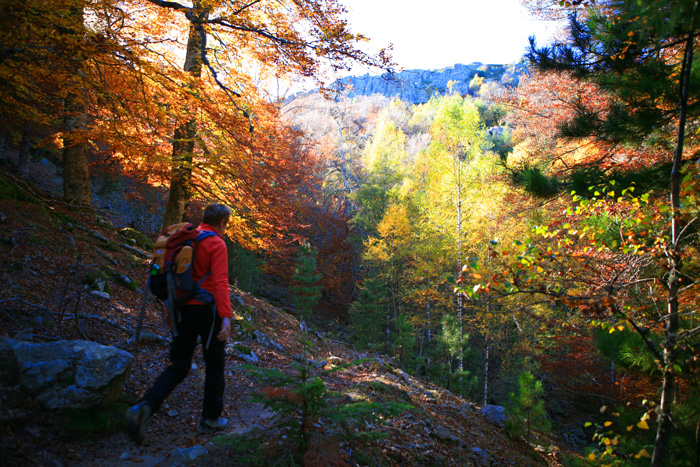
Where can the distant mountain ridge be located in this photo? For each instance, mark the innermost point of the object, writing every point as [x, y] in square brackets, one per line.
[417, 86]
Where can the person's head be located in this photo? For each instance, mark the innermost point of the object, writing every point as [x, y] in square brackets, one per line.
[216, 215]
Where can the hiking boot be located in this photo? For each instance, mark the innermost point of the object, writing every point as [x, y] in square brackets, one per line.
[209, 425]
[136, 418]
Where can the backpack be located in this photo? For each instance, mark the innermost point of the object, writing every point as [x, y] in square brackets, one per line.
[171, 266]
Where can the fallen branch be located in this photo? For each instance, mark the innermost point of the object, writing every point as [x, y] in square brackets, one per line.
[131, 342]
[135, 250]
[24, 302]
[26, 187]
[106, 256]
[147, 337]
[12, 319]
[101, 319]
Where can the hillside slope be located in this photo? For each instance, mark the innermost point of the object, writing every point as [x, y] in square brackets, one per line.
[54, 259]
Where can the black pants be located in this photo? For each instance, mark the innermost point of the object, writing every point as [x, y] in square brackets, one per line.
[195, 321]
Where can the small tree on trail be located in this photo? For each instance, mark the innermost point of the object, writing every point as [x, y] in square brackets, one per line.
[526, 409]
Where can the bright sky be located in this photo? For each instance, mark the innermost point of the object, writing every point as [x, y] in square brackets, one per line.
[432, 34]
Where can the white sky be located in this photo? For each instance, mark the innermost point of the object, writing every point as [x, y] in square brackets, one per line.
[433, 34]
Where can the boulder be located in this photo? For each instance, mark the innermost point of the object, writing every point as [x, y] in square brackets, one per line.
[68, 374]
[494, 414]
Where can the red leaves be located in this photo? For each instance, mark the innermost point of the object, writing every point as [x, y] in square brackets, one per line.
[284, 394]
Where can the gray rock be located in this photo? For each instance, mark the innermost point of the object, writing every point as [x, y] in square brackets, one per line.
[494, 414]
[186, 455]
[469, 407]
[68, 374]
[481, 456]
[267, 341]
[574, 437]
[238, 299]
[443, 433]
[242, 353]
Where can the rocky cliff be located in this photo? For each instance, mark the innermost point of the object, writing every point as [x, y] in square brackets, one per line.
[417, 86]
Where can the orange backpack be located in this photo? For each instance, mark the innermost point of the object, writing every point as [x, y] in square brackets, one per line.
[171, 266]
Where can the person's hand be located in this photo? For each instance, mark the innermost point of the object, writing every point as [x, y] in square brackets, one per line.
[225, 330]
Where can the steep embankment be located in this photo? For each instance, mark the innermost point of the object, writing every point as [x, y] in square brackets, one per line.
[72, 275]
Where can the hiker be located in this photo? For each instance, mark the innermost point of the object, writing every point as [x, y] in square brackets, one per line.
[210, 322]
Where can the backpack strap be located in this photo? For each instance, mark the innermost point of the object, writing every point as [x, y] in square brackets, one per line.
[171, 301]
[213, 323]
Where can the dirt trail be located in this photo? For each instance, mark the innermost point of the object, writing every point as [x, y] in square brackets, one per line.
[172, 434]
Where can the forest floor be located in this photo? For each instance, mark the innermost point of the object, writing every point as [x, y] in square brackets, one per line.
[52, 255]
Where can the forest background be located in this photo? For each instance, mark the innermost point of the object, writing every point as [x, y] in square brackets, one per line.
[480, 238]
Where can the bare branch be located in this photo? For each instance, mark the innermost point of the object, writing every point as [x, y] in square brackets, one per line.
[171, 5]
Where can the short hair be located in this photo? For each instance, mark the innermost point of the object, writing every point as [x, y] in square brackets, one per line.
[214, 213]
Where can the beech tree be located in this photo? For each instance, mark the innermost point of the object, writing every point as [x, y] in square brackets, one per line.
[46, 49]
[296, 38]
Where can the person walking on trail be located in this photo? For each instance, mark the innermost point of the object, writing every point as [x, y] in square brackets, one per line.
[197, 319]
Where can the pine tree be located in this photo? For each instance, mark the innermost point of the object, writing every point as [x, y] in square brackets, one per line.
[245, 267]
[643, 54]
[306, 290]
[367, 314]
[527, 407]
[405, 341]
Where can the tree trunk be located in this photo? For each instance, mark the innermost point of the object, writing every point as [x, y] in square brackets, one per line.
[486, 375]
[25, 147]
[429, 337]
[76, 175]
[184, 136]
[697, 444]
[4, 144]
[387, 330]
[665, 428]
[181, 176]
[459, 261]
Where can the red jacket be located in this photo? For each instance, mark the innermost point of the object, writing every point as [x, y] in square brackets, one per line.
[211, 255]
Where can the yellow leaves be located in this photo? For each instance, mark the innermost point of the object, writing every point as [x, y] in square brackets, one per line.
[603, 409]
[610, 442]
[591, 456]
[608, 423]
[476, 276]
[642, 453]
[643, 425]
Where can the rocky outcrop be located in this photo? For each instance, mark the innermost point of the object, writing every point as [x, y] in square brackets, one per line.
[417, 86]
[67, 374]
